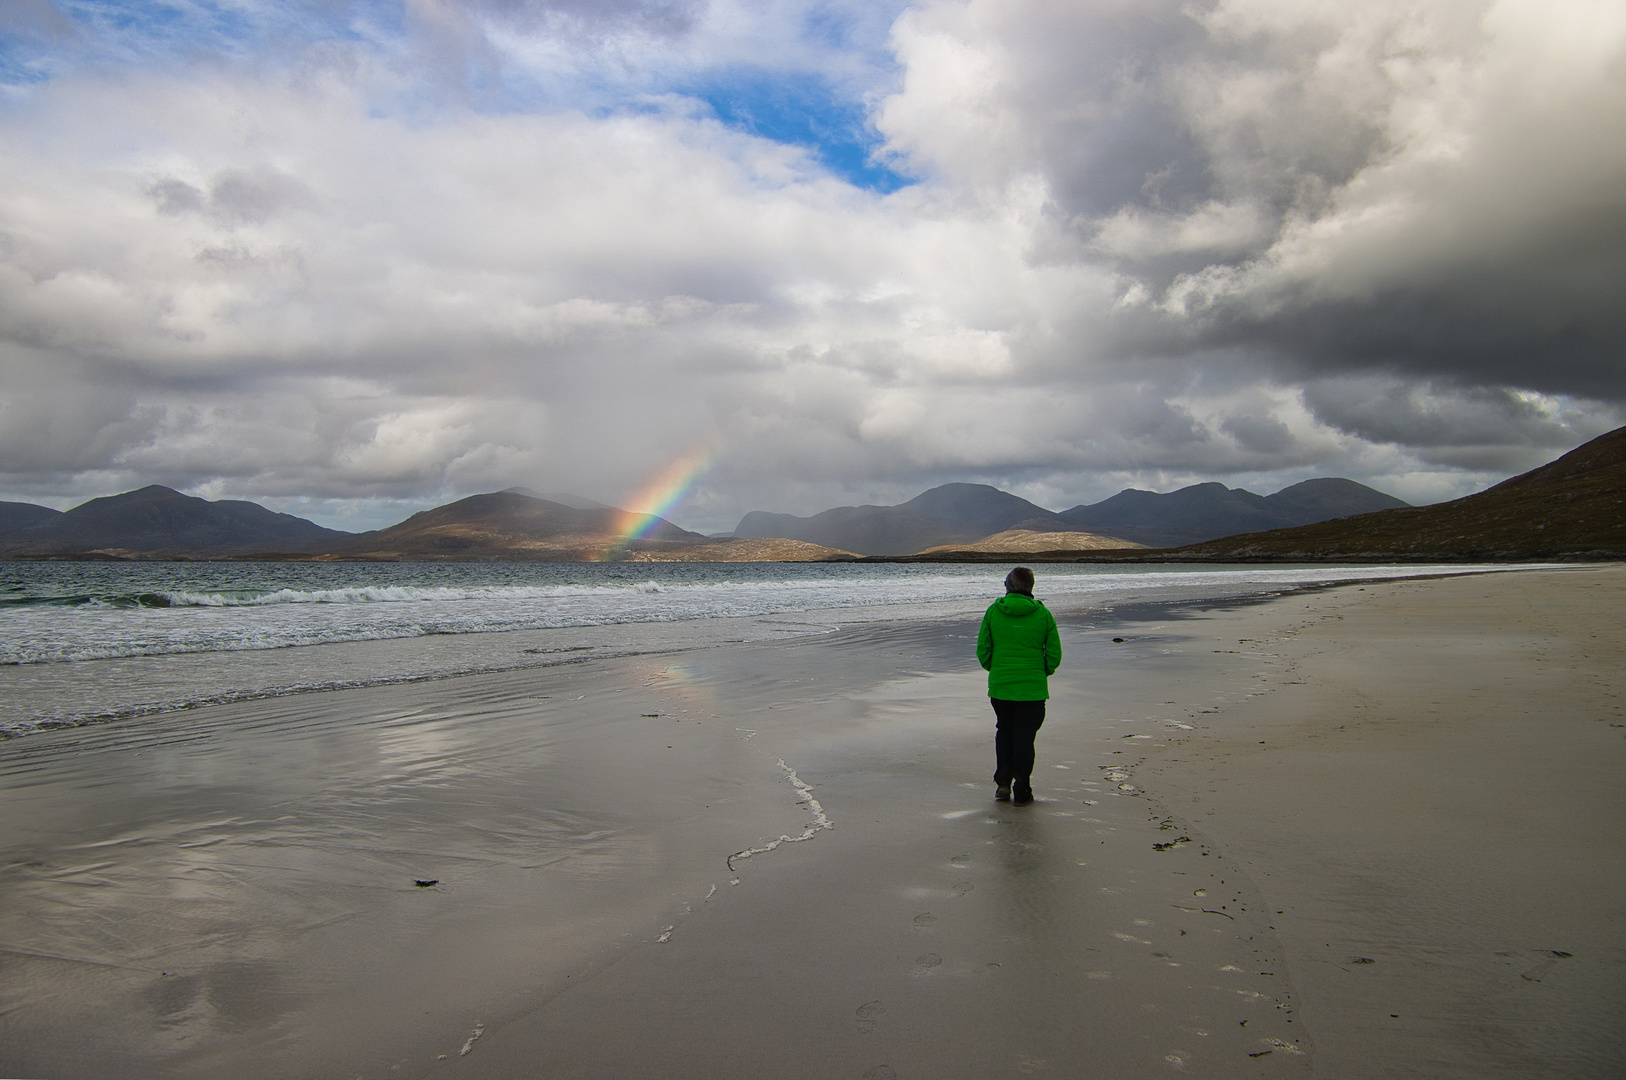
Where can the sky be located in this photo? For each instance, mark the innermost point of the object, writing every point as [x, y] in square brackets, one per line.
[353, 258]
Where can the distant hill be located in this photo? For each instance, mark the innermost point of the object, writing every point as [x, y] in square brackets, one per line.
[1209, 511]
[15, 515]
[511, 525]
[157, 520]
[1026, 541]
[1571, 508]
[1330, 497]
[950, 514]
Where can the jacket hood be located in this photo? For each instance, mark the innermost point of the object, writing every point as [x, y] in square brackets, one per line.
[1017, 604]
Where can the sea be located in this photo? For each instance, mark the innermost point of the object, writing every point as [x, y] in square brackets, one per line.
[97, 642]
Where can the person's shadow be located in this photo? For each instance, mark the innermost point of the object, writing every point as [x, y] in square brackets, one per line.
[1035, 905]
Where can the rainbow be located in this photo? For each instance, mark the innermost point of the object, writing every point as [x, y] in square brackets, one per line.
[655, 500]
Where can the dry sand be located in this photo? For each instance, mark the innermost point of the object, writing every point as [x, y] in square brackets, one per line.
[1239, 807]
[1432, 794]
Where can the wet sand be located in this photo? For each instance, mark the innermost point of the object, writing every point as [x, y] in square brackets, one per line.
[1238, 805]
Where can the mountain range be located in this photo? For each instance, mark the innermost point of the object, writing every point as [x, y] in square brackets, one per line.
[156, 522]
[956, 515]
[156, 518]
[1574, 507]
[1209, 511]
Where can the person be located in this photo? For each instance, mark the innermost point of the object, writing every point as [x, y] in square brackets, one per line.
[1020, 649]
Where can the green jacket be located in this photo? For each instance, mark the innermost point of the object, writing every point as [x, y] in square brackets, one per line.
[1019, 648]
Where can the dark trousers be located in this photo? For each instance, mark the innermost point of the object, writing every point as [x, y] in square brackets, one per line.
[1016, 723]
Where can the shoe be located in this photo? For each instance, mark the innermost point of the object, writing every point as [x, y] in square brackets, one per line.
[1023, 797]
[1002, 793]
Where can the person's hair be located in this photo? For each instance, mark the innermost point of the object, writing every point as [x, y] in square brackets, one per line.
[1019, 580]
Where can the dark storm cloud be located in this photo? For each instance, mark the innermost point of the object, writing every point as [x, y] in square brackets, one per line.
[1524, 331]
[1471, 427]
[1343, 188]
[1259, 434]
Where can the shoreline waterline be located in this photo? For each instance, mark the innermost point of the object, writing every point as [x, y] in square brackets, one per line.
[90, 646]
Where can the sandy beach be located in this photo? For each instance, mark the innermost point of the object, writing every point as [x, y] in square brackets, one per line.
[1365, 831]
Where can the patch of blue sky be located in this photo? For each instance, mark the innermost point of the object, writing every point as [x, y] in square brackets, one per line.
[823, 112]
[23, 61]
[863, 27]
[154, 32]
[139, 29]
[806, 110]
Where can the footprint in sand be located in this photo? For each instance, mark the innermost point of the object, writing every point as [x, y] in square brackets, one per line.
[868, 1013]
[925, 920]
[960, 860]
[962, 888]
[928, 961]
[882, 1072]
